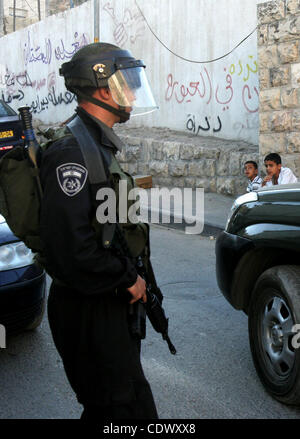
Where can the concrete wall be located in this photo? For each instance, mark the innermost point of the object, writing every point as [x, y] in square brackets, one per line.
[30, 61]
[217, 99]
[279, 60]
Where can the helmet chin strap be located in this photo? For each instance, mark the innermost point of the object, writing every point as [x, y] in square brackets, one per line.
[122, 114]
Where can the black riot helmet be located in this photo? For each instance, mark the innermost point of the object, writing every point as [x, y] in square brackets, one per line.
[105, 65]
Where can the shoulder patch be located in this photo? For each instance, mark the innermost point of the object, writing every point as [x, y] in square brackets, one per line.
[71, 178]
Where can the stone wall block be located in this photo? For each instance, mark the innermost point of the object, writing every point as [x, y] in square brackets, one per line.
[208, 152]
[288, 52]
[296, 120]
[186, 152]
[178, 169]
[293, 7]
[171, 150]
[132, 154]
[163, 182]
[190, 182]
[158, 168]
[222, 164]
[285, 30]
[133, 141]
[132, 168]
[143, 169]
[225, 186]
[196, 169]
[264, 122]
[203, 182]
[281, 121]
[268, 56]
[212, 185]
[210, 167]
[262, 34]
[295, 75]
[292, 162]
[270, 99]
[271, 11]
[156, 151]
[289, 97]
[234, 163]
[240, 185]
[264, 78]
[280, 76]
[272, 143]
[293, 143]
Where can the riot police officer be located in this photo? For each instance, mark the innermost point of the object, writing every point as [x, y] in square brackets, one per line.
[87, 313]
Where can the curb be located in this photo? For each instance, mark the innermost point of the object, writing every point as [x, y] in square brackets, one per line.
[209, 229]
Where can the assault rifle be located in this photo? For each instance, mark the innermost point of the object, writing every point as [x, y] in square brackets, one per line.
[152, 308]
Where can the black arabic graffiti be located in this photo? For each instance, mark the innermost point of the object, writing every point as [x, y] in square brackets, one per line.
[53, 98]
[8, 98]
[191, 125]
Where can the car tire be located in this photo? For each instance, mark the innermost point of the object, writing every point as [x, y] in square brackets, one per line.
[274, 310]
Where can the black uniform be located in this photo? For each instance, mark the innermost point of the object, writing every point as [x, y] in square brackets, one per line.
[88, 319]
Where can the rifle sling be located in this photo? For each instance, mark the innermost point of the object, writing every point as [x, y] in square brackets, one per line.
[96, 171]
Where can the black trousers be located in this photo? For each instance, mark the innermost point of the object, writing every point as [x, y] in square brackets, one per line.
[101, 359]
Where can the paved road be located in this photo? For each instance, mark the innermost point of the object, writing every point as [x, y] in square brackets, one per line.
[212, 375]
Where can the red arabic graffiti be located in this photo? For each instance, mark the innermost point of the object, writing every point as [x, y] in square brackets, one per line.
[194, 88]
[247, 99]
[228, 88]
[223, 94]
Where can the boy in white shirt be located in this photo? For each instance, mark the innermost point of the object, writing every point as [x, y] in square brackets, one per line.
[276, 173]
[251, 171]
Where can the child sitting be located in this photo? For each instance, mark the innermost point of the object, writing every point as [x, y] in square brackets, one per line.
[251, 171]
[276, 173]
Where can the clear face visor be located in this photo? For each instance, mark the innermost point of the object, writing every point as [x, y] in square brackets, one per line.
[130, 88]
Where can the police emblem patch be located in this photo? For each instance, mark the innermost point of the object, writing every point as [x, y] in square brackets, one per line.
[71, 178]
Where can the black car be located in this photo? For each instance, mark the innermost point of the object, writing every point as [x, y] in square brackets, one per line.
[258, 271]
[11, 129]
[22, 284]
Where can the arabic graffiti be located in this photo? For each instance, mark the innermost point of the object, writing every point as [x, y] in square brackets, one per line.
[240, 69]
[228, 94]
[34, 54]
[250, 124]
[10, 79]
[53, 98]
[131, 26]
[195, 128]
[62, 53]
[221, 94]
[40, 103]
[248, 99]
[45, 54]
[9, 97]
[194, 88]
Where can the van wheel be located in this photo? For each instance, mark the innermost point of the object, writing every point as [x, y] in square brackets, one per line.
[274, 310]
